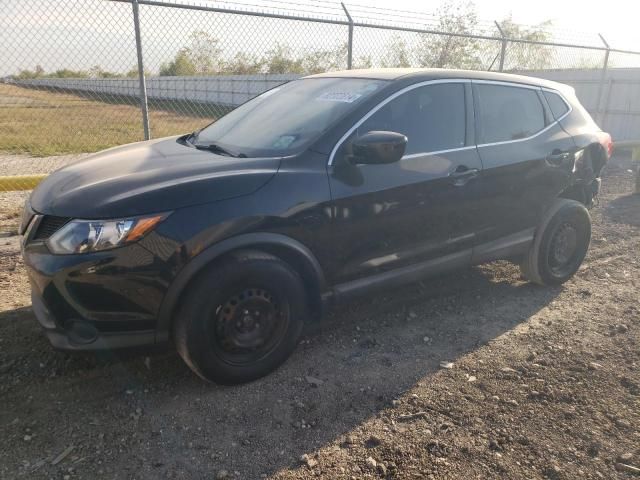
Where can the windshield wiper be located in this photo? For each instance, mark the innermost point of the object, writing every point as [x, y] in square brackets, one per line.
[192, 137]
[212, 147]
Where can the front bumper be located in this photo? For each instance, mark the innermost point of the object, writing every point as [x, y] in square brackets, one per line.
[81, 335]
[103, 300]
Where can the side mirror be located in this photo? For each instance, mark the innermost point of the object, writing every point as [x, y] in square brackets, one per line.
[378, 147]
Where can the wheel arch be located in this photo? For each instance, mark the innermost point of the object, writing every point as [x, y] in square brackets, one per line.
[286, 248]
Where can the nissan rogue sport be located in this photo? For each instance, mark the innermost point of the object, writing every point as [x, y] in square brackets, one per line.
[225, 241]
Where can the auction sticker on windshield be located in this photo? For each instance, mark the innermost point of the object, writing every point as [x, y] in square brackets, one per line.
[346, 97]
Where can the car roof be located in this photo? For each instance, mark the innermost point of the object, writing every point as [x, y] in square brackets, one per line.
[424, 74]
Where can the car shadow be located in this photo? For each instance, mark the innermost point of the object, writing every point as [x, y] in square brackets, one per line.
[624, 210]
[170, 424]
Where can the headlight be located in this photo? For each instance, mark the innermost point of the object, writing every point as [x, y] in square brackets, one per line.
[82, 236]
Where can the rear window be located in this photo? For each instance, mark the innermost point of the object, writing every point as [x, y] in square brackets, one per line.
[558, 106]
[508, 113]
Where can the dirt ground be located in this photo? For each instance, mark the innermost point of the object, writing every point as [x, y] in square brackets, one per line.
[544, 383]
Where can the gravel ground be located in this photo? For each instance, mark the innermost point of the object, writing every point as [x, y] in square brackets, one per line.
[536, 383]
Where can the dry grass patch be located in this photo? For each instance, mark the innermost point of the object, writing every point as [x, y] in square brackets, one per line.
[42, 123]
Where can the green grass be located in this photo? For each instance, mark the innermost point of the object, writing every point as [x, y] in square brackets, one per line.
[42, 123]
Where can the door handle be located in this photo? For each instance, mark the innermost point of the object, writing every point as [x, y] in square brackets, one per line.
[557, 158]
[462, 174]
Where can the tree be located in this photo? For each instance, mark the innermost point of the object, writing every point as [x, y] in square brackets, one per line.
[98, 72]
[244, 64]
[324, 60]
[363, 61]
[204, 52]
[201, 57]
[38, 72]
[397, 55]
[590, 61]
[181, 65]
[67, 73]
[446, 51]
[527, 56]
[280, 59]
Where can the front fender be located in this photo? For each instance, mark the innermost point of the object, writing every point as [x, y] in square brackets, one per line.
[285, 247]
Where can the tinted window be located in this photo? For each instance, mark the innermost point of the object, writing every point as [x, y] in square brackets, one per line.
[557, 104]
[285, 119]
[432, 117]
[508, 113]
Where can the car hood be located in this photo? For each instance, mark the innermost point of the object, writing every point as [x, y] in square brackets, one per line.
[148, 177]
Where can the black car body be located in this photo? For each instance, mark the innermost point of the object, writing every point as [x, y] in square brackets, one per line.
[487, 156]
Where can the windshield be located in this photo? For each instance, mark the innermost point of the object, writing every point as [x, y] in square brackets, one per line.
[284, 120]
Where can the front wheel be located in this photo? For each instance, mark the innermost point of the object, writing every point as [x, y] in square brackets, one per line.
[241, 319]
[560, 244]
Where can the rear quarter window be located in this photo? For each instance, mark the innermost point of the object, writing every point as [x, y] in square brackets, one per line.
[508, 113]
[558, 106]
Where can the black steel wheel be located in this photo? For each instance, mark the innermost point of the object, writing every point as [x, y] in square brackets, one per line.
[563, 249]
[241, 318]
[560, 245]
[248, 325]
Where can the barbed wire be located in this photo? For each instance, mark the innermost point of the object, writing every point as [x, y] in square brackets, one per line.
[391, 17]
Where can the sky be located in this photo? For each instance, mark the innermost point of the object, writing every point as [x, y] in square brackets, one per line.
[617, 20]
[78, 34]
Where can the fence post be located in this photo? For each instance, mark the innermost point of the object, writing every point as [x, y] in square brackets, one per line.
[607, 97]
[503, 47]
[601, 112]
[143, 84]
[350, 42]
[635, 155]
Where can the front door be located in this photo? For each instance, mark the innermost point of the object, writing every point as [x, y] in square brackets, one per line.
[419, 208]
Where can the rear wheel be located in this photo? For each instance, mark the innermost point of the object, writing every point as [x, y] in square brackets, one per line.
[241, 319]
[560, 244]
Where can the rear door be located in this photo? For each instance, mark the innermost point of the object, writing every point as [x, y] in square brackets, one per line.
[421, 207]
[525, 153]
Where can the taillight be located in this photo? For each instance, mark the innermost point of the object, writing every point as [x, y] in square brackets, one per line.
[607, 143]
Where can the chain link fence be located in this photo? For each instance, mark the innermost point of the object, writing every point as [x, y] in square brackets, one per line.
[79, 76]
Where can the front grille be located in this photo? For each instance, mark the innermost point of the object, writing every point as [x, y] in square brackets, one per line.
[49, 225]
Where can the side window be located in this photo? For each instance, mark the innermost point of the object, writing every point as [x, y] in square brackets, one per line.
[558, 106]
[508, 113]
[432, 117]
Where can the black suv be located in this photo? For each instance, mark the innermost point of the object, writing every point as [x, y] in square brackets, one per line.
[226, 240]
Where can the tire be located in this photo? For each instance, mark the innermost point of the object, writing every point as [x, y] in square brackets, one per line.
[241, 319]
[560, 244]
